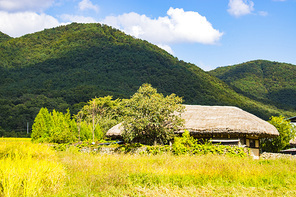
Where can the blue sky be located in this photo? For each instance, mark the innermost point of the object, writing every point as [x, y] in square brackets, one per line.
[208, 33]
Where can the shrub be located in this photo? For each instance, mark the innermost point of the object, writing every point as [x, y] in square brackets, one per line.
[287, 132]
[156, 150]
[188, 145]
[54, 127]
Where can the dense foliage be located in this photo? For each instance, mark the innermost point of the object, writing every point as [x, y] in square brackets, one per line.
[66, 66]
[265, 81]
[148, 117]
[152, 118]
[92, 122]
[54, 127]
[101, 113]
[188, 145]
[4, 37]
[287, 132]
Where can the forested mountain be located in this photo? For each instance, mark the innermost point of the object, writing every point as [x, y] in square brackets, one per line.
[264, 81]
[4, 37]
[64, 67]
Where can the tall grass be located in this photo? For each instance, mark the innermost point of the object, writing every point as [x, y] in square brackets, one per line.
[130, 175]
[28, 169]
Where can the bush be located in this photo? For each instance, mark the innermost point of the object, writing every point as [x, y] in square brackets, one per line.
[156, 150]
[287, 132]
[54, 127]
[188, 145]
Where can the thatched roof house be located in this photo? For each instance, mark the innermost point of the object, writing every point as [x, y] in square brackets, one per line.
[223, 121]
[115, 131]
[222, 124]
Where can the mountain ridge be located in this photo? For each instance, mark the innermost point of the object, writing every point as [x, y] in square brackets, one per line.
[64, 67]
[262, 80]
[4, 37]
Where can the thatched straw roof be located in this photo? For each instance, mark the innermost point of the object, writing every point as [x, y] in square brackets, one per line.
[226, 120]
[115, 131]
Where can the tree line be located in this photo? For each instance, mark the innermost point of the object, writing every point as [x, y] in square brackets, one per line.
[147, 117]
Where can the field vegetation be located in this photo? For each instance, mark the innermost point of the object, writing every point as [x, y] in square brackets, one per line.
[35, 170]
[28, 169]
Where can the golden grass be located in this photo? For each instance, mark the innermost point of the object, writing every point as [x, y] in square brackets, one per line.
[209, 191]
[166, 175]
[28, 169]
[14, 139]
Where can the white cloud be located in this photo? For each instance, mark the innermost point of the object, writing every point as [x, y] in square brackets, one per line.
[18, 24]
[87, 5]
[78, 19]
[240, 7]
[263, 13]
[166, 48]
[24, 5]
[179, 26]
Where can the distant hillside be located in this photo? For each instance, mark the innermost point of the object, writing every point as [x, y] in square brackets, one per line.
[64, 67]
[4, 37]
[265, 81]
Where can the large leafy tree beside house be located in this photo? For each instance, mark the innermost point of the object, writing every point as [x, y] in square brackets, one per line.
[151, 117]
[102, 113]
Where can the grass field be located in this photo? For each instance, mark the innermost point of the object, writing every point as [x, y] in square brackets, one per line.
[36, 170]
[28, 169]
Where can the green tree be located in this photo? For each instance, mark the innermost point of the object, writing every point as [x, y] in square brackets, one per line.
[287, 132]
[152, 118]
[85, 131]
[103, 112]
[63, 129]
[2, 132]
[41, 126]
[54, 127]
[79, 119]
